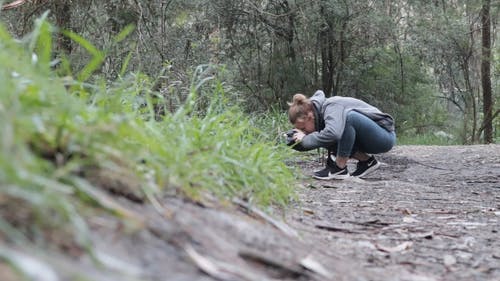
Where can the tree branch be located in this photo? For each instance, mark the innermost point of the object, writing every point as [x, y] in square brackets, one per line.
[13, 5]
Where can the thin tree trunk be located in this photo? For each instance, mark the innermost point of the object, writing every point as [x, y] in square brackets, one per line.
[342, 53]
[327, 42]
[62, 11]
[485, 72]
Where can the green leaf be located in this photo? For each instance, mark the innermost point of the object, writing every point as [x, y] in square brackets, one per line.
[95, 62]
[83, 42]
[125, 63]
[124, 33]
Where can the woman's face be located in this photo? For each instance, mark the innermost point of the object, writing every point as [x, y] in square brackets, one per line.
[306, 124]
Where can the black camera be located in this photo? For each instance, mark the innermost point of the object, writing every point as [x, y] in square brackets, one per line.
[289, 137]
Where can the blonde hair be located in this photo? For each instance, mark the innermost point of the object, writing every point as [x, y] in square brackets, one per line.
[299, 107]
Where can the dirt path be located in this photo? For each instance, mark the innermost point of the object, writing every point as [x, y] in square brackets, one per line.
[428, 214]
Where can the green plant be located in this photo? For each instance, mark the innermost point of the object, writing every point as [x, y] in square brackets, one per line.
[59, 133]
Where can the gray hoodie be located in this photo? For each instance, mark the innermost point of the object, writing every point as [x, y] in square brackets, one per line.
[330, 118]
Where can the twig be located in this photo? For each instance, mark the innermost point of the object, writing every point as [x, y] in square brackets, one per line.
[278, 224]
[372, 223]
[219, 270]
[333, 228]
[13, 5]
[290, 268]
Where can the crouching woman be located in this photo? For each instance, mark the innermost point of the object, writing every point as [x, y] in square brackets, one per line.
[346, 127]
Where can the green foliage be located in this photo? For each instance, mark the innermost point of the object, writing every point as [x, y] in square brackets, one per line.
[27, 179]
[399, 84]
[277, 48]
[97, 56]
[275, 122]
[55, 130]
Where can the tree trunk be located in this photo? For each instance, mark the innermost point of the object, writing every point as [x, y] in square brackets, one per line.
[342, 58]
[62, 13]
[327, 44]
[327, 60]
[485, 72]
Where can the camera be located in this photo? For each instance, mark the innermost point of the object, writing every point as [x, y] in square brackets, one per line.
[289, 137]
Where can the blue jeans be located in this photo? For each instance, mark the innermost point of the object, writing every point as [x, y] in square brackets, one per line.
[361, 134]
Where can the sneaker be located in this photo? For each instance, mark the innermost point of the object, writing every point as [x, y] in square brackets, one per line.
[331, 171]
[363, 168]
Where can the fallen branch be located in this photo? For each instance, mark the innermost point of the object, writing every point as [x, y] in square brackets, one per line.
[220, 270]
[13, 5]
[334, 228]
[260, 214]
[288, 268]
[19, 3]
[371, 223]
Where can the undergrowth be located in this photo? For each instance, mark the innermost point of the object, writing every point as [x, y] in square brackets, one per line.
[427, 139]
[57, 132]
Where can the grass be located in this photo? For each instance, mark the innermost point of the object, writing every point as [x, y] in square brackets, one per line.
[56, 129]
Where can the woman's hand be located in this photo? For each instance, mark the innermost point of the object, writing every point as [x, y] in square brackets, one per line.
[299, 135]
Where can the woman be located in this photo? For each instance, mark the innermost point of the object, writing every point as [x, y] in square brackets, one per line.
[347, 127]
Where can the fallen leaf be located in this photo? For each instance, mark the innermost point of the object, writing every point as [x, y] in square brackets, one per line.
[410, 220]
[311, 264]
[401, 247]
[406, 212]
[308, 211]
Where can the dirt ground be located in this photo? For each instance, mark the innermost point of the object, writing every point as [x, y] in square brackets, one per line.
[429, 213]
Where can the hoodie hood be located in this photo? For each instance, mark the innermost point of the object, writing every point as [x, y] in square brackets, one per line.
[318, 99]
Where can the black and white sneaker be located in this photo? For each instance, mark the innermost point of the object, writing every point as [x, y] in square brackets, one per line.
[331, 171]
[363, 168]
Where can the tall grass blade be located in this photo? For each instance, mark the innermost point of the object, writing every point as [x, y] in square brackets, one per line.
[124, 33]
[97, 55]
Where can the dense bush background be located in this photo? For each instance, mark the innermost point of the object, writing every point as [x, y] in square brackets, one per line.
[419, 60]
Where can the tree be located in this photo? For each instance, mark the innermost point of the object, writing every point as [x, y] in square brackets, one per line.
[62, 11]
[415, 59]
[485, 72]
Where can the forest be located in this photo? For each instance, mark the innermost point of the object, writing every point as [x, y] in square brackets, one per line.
[135, 121]
[433, 64]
